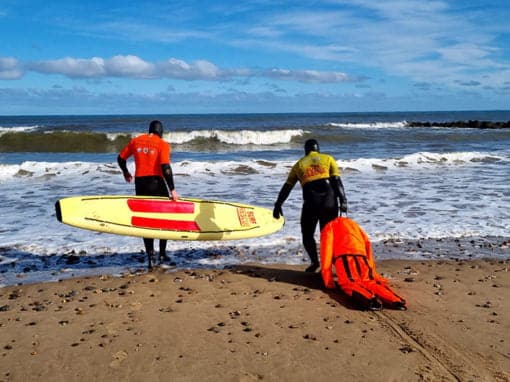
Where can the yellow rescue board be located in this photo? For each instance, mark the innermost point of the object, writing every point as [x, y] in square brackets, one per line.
[162, 218]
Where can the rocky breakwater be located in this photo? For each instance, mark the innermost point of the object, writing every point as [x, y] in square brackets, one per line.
[475, 124]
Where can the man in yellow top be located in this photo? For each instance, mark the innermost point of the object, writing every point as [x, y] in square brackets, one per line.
[323, 194]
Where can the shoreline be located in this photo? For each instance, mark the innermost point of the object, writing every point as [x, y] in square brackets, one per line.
[259, 322]
[18, 268]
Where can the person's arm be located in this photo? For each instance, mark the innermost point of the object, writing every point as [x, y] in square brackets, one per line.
[338, 187]
[123, 166]
[327, 256]
[285, 191]
[336, 182]
[282, 197]
[166, 169]
[169, 179]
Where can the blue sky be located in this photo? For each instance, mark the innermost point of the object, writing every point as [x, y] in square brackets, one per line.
[109, 57]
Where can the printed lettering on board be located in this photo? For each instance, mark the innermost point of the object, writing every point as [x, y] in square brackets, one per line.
[246, 217]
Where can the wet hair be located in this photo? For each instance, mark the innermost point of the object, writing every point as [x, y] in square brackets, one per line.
[156, 127]
[311, 145]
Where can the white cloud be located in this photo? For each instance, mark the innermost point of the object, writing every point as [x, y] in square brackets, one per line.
[71, 67]
[264, 31]
[10, 69]
[179, 69]
[80, 100]
[128, 66]
[403, 9]
[131, 66]
[96, 67]
[469, 83]
[307, 76]
[465, 53]
[399, 37]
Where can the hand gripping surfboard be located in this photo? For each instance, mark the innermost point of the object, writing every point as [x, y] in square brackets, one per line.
[162, 218]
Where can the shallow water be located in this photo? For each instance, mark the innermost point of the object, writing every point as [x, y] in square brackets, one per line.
[406, 184]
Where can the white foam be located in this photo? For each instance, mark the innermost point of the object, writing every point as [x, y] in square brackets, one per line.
[113, 136]
[238, 137]
[17, 129]
[32, 169]
[424, 199]
[421, 160]
[373, 125]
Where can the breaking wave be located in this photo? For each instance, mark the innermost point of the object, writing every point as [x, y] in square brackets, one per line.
[421, 160]
[370, 125]
[25, 140]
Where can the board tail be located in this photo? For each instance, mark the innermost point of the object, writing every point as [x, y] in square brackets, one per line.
[58, 211]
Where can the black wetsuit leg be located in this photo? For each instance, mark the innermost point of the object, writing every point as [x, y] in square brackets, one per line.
[320, 206]
[152, 186]
[309, 220]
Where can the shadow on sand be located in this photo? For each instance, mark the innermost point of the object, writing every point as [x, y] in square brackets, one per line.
[294, 276]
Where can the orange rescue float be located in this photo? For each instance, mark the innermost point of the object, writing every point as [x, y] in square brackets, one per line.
[346, 246]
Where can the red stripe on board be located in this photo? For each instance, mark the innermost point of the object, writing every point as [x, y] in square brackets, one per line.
[176, 225]
[169, 206]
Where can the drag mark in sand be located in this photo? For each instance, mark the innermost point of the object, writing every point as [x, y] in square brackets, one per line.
[445, 357]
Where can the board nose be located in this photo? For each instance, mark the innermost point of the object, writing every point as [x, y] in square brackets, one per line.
[58, 211]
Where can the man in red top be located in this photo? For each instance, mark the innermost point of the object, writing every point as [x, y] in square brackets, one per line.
[153, 173]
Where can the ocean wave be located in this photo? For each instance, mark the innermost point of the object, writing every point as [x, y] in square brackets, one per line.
[39, 170]
[421, 160]
[238, 137]
[472, 124]
[371, 125]
[26, 140]
[428, 124]
[18, 129]
[61, 141]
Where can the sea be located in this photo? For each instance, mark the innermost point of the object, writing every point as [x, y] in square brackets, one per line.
[420, 193]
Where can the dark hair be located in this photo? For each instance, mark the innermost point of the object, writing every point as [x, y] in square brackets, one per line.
[311, 145]
[156, 127]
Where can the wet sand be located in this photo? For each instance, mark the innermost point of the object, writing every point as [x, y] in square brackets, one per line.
[259, 322]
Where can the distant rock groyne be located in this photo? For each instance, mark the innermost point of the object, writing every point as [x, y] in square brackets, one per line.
[471, 124]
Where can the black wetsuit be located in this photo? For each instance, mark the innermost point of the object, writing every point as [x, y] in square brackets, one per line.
[323, 193]
[152, 186]
[320, 205]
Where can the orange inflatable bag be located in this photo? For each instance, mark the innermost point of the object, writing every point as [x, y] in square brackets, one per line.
[347, 247]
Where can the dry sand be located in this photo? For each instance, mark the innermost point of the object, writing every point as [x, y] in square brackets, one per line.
[259, 322]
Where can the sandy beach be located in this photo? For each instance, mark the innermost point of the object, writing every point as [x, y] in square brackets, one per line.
[259, 322]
